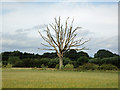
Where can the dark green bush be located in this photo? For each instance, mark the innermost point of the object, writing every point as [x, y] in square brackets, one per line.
[111, 60]
[62, 67]
[80, 68]
[95, 61]
[45, 61]
[35, 63]
[71, 54]
[88, 66]
[27, 62]
[4, 63]
[66, 61]
[52, 62]
[44, 67]
[57, 66]
[69, 67]
[108, 67]
[82, 60]
[74, 63]
[9, 65]
[18, 63]
[13, 59]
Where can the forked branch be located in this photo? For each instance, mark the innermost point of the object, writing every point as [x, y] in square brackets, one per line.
[64, 37]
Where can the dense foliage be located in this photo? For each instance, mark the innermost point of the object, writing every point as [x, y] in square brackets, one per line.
[104, 54]
[108, 67]
[69, 67]
[89, 66]
[71, 58]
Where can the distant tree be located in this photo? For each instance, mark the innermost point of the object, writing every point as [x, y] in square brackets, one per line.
[5, 56]
[18, 63]
[103, 54]
[111, 60]
[4, 62]
[66, 61]
[63, 38]
[49, 55]
[13, 59]
[38, 56]
[45, 61]
[53, 62]
[17, 53]
[71, 54]
[82, 60]
[96, 61]
[28, 55]
[80, 54]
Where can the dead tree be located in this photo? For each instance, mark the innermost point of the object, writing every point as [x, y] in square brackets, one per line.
[63, 40]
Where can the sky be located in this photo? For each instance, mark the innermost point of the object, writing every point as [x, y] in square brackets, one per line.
[21, 22]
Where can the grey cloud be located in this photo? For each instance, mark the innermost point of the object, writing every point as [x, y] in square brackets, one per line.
[39, 26]
[84, 33]
[28, 29]
[22, 30]
[19, 30]
[20, 42]
[32, 28]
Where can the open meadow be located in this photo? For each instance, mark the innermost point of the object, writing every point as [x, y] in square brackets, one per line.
[33, 78]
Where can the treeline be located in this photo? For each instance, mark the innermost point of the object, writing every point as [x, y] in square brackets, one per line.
[50, 60]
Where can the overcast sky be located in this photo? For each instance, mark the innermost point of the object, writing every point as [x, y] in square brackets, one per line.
[21, 22]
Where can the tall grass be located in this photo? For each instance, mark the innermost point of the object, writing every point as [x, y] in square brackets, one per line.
[33, 78]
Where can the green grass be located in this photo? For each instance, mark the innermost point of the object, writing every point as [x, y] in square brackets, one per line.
[29, 78]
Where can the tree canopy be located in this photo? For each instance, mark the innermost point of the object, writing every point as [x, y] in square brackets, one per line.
[102, 53]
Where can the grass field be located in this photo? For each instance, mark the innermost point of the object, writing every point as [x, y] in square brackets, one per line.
[29, 78]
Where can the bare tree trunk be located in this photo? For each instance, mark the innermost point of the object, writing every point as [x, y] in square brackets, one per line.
[60, 62]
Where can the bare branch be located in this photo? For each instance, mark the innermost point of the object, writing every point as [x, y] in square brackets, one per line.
[50, 36]
[76, 29]
[45, 45]
[64, 37]
[65, 29]
[53, 27]
[45, 39]
[78, 44]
